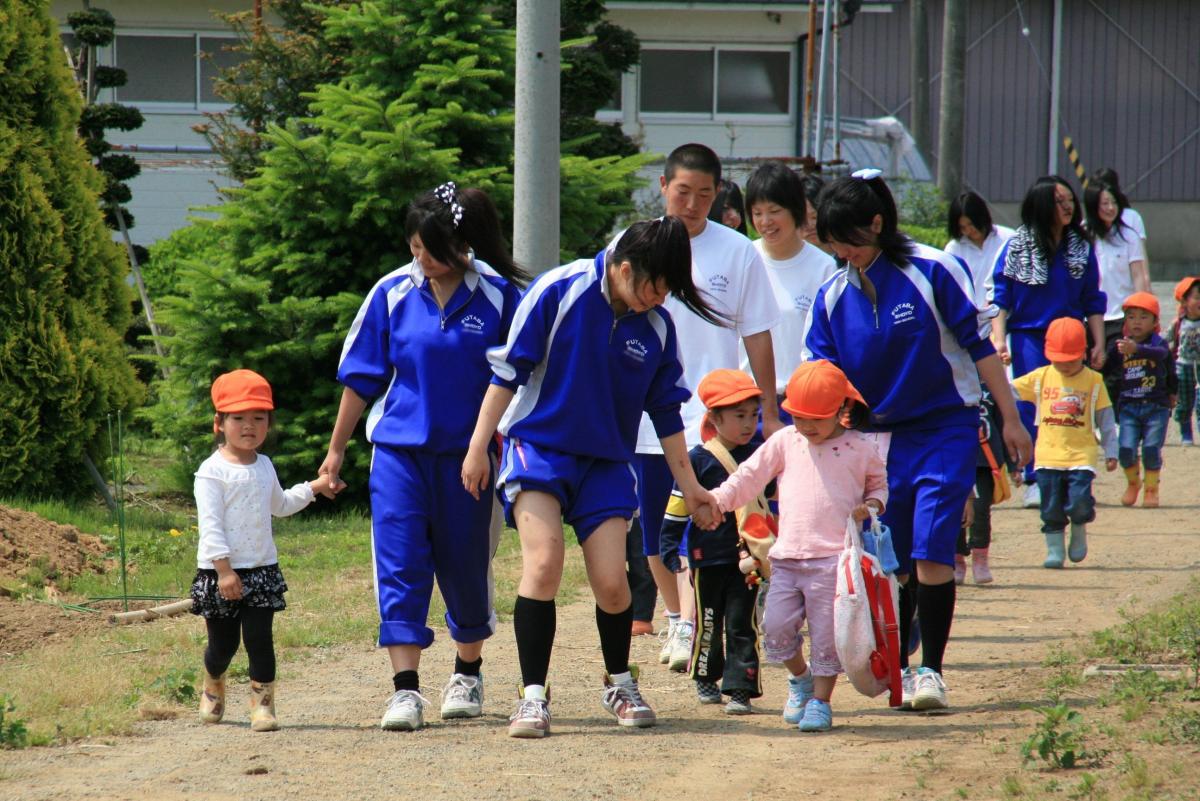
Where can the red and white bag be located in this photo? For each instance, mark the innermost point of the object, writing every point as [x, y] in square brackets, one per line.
[865, 611]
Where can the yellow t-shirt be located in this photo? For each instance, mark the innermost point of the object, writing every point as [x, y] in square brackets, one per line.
[1066, 415]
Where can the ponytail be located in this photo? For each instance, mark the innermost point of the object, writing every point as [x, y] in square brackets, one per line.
[847, 207]
[661, 250]
[451, 221]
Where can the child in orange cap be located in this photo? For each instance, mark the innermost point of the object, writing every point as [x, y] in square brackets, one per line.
[238, 585]
[1139, 365]
[724, 655]
[1184, 342]
[1072, 404]
[826, 474]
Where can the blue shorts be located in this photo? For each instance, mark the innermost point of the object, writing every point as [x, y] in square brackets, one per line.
[590, 491]
[930, 475]
[425, 525]
[654, 485]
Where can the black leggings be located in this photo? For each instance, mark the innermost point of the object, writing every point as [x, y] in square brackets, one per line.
[252, 626]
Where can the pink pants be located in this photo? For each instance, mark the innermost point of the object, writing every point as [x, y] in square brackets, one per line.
[802, 589]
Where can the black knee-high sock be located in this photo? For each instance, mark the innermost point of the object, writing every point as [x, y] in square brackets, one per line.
[935, 611]
[407, 680]
[614, 630]
[534, 623]
[908, 606]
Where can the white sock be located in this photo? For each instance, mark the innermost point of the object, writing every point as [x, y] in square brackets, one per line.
[802, 675]
[622, 678]
[535, 692]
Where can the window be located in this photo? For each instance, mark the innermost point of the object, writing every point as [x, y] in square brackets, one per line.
[160, 69]
[714, 81]
[215, 57]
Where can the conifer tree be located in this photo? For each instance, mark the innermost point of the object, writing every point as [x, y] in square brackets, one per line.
[63, 302]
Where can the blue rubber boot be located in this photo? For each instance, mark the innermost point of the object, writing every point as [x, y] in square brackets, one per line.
[1077, 549]
[1054, 549]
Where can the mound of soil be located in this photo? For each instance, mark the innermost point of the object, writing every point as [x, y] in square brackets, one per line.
[31, 545]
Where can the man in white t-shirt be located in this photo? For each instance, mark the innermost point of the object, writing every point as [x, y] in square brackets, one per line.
[726, 266]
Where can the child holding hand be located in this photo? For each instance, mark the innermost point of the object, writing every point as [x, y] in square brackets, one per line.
[826, 473]
[238, 586]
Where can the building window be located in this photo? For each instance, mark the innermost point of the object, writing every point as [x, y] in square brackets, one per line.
[160, 69]
[715, 81]
[215, 57]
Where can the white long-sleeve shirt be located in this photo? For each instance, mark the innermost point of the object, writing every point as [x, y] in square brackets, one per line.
[234, 505]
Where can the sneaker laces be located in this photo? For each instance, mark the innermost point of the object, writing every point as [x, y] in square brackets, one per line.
[531, 708]
[460, 688]
[625, 692]
[407, 699]
[927, 677]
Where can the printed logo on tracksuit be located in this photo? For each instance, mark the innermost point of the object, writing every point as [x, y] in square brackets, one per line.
[903, 313]
[718, 283]
[635, 350]
[473, 324]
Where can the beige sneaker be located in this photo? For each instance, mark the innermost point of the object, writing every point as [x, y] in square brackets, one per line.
[625, 701]
[532, 718]
[212, 699]
[262, 707]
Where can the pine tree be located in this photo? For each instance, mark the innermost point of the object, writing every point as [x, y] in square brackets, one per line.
[63, 302]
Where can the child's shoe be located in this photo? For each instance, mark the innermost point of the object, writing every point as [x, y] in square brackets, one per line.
[800, 692]
[708, 692]
[641, 628]
[623, 698]
[739, 703]
[818, 716]
[1150, 500]
[462, 697]
[667, 636]
[681, 651]
[1032, 496]
[262, 707]
[405, 712]
[930, 691]
[908, 686]
[1133, 476]
[532, 718]
[1077, 548]
[1054, 549]
[212, 699]
[960, 568]
[980, 572]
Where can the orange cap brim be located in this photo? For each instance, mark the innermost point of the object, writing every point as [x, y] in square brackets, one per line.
[819, 412]
[1059, 356]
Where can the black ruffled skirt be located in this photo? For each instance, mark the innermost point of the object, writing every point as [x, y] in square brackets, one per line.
[262, 587]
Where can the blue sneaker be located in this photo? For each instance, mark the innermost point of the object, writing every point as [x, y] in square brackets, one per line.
[800, 692]
[818, 716]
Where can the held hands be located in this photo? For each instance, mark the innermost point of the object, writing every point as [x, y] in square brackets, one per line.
[1110, 465]
[329, 484]
[1018, 442]
[229, 586]
[476, 472]
[1098, 356]
[706, 513]
[1002, 351]
[325, 485]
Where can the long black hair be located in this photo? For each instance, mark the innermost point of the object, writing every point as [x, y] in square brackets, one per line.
[848, 206]
[729, 196]
[1107, 175]
[1039, 212]
[1091, 208]
[662, 250]
[776, 182]
[432, 216]
[974, 208]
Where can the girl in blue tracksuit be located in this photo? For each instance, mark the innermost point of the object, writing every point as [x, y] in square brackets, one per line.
[590, 349]
[417, 352]
[1046, 271]
[901, 322]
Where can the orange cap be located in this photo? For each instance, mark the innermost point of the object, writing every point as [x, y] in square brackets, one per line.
[724, 388]
[818, 389]
[1065, 340]
[241, 390]
[1184, 286]
[1142, 300]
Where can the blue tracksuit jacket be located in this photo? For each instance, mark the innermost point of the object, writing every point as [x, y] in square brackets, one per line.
[1033, 308]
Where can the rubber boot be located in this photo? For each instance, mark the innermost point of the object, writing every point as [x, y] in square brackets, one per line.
[212, 699]
[980, 572]
[1077, 547]
[1150, 499]
[1133, 476]
[1054, 549]
[960, 568]
[262, 707]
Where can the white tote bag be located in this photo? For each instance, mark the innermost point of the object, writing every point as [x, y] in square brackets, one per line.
[864, 620]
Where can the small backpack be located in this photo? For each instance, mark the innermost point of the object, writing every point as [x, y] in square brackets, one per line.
[756, 525]
[865, 614]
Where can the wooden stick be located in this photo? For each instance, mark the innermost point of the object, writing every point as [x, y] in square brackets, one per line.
[166, 610]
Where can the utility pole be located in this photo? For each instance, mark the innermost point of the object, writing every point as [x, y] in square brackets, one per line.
[919, 76]
[536, 151]
[950, 126]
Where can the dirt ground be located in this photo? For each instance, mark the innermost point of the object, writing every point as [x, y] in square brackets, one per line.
[331, 747]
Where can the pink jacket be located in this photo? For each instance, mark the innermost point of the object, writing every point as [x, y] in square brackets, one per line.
[818, 487]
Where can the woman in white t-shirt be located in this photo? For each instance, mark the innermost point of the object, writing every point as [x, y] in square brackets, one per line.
[1119, 251]
[977, 241]
[1129, 215]
[778, 210]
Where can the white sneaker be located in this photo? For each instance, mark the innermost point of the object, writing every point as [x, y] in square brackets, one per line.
[667, 636]
[1032, 499]
[930, 692]
[681, 652]
[463, 697]
[908, 686]
[405, 712]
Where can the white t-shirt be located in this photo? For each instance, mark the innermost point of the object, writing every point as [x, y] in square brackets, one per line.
[981, 261]
[729, 272]
[1133, 219]
[234, 504]
[1114, 253]
[795, 282]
